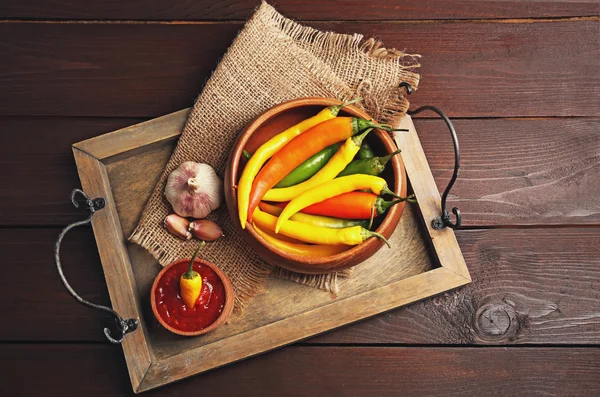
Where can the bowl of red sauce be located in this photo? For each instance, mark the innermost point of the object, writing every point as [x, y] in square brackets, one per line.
[212, 309]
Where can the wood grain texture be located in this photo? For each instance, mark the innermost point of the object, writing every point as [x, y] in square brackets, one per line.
[39, 149]
[470, 69]
[513, 171]
[545, 281]
[115, 263]
[98, 370]
[304, 10]
[517, 171]
[529, 286]
[442, 242]
[33, 294]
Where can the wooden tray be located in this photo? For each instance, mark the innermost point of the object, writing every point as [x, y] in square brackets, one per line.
[124, 166]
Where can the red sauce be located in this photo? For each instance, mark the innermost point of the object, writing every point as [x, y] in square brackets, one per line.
[175, 313]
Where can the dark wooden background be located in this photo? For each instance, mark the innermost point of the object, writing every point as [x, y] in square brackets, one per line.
[520, 79]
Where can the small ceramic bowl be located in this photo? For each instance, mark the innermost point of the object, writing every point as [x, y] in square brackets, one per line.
[227, 307]
[272, 122]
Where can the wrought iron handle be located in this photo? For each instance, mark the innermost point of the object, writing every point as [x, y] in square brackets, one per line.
[445, 219]
[124, 326]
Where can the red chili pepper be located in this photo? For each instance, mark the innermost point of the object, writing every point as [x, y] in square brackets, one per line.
[353, 205]
[301, 148]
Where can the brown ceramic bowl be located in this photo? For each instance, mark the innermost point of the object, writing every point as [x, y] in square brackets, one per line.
[272, 122]
[227, 307]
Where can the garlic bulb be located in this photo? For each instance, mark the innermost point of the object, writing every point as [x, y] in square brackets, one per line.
[194, 189]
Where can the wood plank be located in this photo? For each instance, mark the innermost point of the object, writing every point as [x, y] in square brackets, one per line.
[98, 370]
[470, 69]
[38, 164]
[34, 294]
[303, 10]
[539, 286]
[513, 172]
[517, 171]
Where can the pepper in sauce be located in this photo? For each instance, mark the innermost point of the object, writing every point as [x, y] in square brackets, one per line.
[190, 282]
[171, 307]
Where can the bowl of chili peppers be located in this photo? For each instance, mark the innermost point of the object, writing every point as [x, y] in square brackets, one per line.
[316, 185]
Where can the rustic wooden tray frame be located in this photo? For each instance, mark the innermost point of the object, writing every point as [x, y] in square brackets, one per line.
[146, 371]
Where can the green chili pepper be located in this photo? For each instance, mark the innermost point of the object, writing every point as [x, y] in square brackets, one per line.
[310, 167]
[372, 166]
[365, 151]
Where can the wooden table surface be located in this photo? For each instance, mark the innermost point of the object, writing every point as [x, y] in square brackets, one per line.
[521, 80]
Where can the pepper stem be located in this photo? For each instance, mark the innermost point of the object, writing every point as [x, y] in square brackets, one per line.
[386, 190]
[189, 274]
[336, 109]
[383, 205]
[246, 154]
[384, 160]
[370, 234]
[372, 217]
[410, 199]
[357, 139]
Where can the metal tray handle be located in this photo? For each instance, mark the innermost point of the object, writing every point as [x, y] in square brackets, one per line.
[123, 326]
[445, 219]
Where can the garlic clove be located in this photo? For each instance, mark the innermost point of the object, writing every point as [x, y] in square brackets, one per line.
[178, 226]
[205, 230]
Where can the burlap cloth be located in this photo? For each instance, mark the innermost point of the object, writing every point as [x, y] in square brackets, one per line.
[272, 60]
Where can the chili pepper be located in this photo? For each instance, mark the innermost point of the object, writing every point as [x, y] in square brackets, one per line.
[365, 151]
[316, 220]
[337, 163]
[316, 234]
[310, 167]
[372, 166]
[190, 282]
[300, 248]
[352, 205]
[333, 188]
[246, 154]
[272, 146]
[282, 237]
[301, 148]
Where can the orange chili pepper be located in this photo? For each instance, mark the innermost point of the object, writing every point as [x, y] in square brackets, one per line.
[352, 205]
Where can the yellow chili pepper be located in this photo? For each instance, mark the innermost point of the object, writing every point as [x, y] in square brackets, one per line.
[333, 188]
[190, 283]
[302, 249]
[316, 234]
[315, 220]
[269, 148]
[281, 236]
[336, 164]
